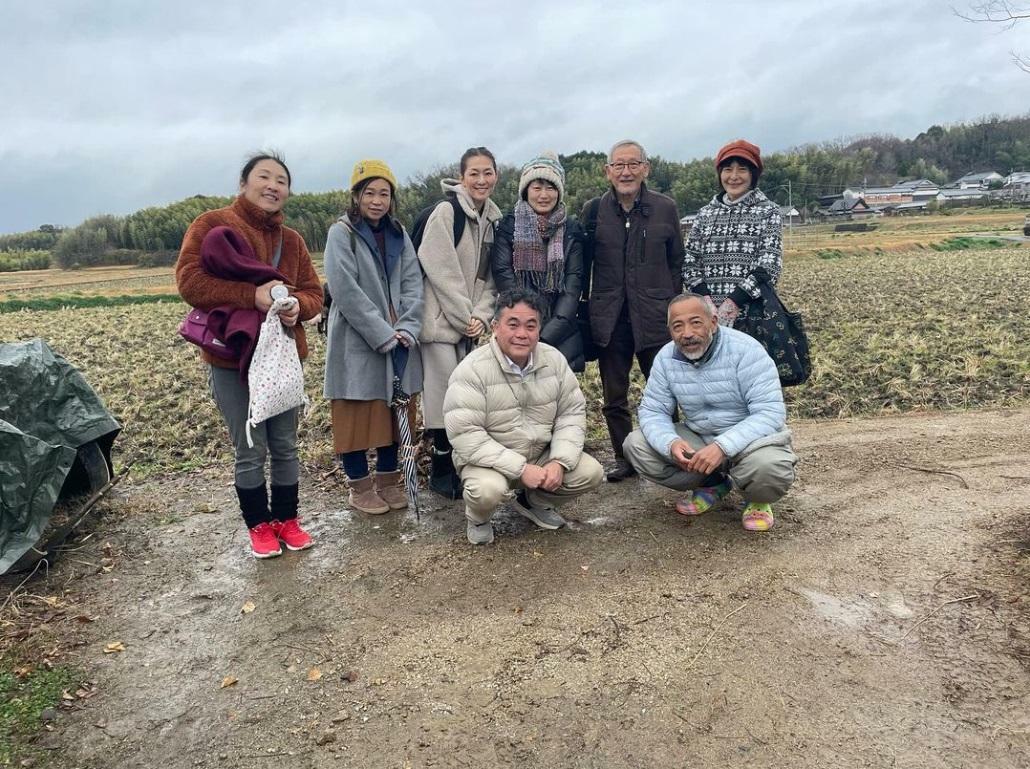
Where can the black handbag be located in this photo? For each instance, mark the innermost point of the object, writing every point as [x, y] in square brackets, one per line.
[590, 351]
[780, 331]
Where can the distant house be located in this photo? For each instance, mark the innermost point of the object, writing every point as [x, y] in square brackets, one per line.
[921, 189]
[848, 208]
[686, 223]
[962, 193]
[902, 192]
[981, 180]
[1017, 178]
[878, 195]
[909, 208]
[790, 215]
[1016, 187]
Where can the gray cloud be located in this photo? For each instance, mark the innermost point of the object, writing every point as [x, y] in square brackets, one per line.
[117, 105]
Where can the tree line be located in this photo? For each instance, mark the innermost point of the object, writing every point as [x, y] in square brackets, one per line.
[941, 153]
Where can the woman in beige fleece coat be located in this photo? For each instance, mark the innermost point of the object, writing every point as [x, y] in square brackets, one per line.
[459, 296]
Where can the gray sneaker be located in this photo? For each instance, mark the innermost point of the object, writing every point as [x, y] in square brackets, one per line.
[544, 517]
[479, 533]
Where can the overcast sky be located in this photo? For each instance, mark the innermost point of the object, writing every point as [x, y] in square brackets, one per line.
[112, 106]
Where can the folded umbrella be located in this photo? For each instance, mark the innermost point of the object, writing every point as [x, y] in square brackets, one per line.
[400, 402]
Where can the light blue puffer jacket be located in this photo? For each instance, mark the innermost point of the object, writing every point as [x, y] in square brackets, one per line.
[733, 398]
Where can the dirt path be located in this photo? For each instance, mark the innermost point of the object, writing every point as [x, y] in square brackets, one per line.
[637, 638]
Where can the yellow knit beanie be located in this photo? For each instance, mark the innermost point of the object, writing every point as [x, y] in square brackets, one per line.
[372, 169]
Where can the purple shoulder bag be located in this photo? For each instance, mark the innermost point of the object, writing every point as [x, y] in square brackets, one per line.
[194, 330]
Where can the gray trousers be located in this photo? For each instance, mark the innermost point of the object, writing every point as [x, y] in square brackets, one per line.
[763, 475]
[276, 436]
[485, 487]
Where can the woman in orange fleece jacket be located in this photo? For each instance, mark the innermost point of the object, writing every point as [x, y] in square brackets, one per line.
[257, 215]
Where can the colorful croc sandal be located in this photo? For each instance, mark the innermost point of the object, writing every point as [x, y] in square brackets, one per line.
[703, 499]
[758, 516]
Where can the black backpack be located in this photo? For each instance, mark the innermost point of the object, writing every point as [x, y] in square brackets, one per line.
[590, 351]
[418, 229]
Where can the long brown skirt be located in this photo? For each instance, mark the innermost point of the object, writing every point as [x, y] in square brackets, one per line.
[360, 425]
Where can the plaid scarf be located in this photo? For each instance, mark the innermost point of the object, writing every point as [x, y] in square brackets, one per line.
[536, 266]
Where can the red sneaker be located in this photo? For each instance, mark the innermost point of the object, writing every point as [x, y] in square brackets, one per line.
[263, 542]
[290, 532]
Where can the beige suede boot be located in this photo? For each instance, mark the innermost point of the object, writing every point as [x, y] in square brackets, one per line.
[390, 487]
[363, 497]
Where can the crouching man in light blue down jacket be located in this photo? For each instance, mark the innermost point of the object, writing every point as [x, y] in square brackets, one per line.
[733, 432]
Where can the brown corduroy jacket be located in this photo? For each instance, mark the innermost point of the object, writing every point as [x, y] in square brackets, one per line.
[203, 291]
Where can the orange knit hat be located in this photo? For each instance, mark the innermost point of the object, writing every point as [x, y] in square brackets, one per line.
[740, 149]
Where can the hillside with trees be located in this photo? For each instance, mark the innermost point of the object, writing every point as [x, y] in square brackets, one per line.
[941, 153]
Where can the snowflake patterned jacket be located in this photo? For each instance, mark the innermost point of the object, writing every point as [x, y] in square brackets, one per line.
[728, 242]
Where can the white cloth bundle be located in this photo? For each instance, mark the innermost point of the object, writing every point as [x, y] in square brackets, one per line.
[276, 378]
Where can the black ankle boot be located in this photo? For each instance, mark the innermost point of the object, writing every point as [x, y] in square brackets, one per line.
[284, 502]
[254, 505]
[443, 479]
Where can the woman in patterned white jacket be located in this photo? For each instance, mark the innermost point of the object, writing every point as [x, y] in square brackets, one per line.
[734, 235]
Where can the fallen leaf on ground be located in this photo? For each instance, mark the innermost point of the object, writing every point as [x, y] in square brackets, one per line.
[248, 607]
[228, 681]
[114, 647]
[314, 674]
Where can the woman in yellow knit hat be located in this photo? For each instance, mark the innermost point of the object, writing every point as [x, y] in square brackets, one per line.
[374, 326]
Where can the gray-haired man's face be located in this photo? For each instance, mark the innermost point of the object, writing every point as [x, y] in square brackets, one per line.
[691, 327]
[627, 170]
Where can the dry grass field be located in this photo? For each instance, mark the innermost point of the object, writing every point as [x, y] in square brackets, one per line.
[902, 233]
[889, 333]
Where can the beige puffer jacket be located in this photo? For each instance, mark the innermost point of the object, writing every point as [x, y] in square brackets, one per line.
[458, 283]
[497, 419]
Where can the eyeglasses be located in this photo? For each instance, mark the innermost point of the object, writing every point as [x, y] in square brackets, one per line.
[633, 165]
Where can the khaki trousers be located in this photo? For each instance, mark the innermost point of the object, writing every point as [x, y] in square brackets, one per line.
[763, 475]
[485, 487]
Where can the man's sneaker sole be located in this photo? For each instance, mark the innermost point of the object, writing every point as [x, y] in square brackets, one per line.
[528, 512]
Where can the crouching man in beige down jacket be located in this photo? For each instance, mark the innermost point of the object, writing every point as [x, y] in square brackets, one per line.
[517, 419]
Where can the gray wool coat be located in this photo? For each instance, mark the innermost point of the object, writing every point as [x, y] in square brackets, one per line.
[359, 320]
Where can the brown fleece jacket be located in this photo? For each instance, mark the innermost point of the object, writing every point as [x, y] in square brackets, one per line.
[263, 230]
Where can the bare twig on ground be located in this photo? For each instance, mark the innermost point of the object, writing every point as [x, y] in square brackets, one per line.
[322, 657]
[21, 584]
[943, 577]
[972, 597]
[962, 480]
[703, 729]
[712, 635]
[653, 616]
[618, 630]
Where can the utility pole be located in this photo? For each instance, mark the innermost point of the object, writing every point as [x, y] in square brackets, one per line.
[790, 216]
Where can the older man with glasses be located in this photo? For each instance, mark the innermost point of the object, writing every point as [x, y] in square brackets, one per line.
[636, 255]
